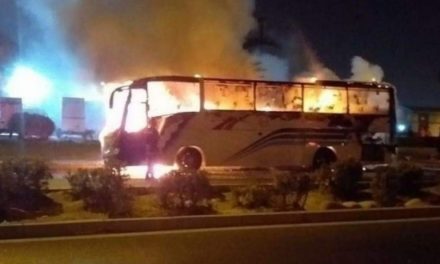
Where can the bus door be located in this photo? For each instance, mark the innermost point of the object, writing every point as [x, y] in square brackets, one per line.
[374, 137]
[132, 139]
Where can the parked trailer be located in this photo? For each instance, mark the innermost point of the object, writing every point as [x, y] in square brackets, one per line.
[73, 121]
[9, 106]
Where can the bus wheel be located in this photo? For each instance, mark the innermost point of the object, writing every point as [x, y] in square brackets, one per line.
[323, 156]
[189, 158]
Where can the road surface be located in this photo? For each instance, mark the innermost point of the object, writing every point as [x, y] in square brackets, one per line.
[397, 241]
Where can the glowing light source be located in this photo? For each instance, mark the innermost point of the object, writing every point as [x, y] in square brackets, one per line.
[197, 75]
[401, 127]
[327, 98]
[313, 79]
[139, 172]
[30, 85]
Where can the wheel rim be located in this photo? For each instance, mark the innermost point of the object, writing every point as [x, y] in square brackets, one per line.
[189, 158]
[323, 159]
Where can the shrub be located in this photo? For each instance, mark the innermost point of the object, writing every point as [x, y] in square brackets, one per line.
[292, 189]
[385, 186]
[102, 190]
[410, 179]
[323, 178]
[344, 183]
[252, 196]
[34, 125]
[185, 192]
[79, 183]
[22, 186]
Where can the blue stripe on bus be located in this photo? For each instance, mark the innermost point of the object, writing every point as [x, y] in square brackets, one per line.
[293, 136]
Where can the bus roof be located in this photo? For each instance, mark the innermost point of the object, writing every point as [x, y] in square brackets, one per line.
[143, 82]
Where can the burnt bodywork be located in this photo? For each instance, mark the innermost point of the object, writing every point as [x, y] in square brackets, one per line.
[290, 128]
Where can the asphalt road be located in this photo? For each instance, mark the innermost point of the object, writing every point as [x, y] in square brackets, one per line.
[400, 241]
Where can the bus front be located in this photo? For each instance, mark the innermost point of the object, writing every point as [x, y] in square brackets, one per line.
[136, 117]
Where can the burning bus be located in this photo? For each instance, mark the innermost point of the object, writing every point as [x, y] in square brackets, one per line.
[248, 123]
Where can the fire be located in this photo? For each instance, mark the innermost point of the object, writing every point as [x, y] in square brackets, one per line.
[113, 116]
[327, 99]
[163, 98]
[139, 172]
[324, 100]
[210, 105]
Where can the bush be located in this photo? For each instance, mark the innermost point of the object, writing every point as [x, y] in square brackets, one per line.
[344, 183]
[292, 189]
[410, 179]
[323, 178]
[405, 179]
[22, 186]
[252, 196]
[185, 192]
[385, 186]
[79, 183]
[34, 125]
[102, 190]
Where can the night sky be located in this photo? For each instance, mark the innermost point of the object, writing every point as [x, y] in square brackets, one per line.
[402, 36]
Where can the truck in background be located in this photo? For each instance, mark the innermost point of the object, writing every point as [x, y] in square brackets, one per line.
[9, 106]
[73, 120]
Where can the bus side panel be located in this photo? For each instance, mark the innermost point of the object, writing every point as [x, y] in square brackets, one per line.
[252, 139]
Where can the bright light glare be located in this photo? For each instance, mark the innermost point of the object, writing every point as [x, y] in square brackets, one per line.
[401, 127]
[139, 172]
[30, 85]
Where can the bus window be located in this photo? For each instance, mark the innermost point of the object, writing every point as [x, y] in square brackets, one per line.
[293, 98]
[220, 95]
[114, 114]
[166, 97]
[278, 97]
[136, 111]
[319, 99]
[368, 101]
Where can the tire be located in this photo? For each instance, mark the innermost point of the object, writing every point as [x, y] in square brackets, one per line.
[189, 158]
[323, 156]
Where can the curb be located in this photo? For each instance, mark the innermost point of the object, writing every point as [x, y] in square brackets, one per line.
[111, 226]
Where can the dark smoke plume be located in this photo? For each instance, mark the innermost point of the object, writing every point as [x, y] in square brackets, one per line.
[120, 40]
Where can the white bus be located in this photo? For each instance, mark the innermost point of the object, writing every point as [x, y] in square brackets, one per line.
[250, 123]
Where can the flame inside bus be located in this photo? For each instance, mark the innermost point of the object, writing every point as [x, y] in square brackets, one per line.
[170, 97]
[163, 98]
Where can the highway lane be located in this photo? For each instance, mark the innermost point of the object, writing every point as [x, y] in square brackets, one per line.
[397, 241]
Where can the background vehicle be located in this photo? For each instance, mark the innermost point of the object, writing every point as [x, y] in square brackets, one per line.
[25, 125]
[250, 123]
[8, 107]
[73, 120]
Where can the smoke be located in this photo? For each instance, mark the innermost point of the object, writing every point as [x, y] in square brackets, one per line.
[43, 54]
[303, 64]
[272, 67]
[76, 44]
[314, 68]
[294, 59]
[362, 70]
[120, 40]
[41, 41]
